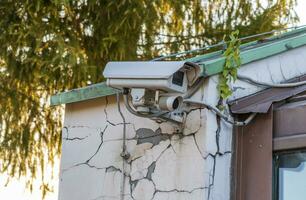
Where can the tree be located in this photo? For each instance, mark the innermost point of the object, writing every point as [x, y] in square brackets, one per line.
[49, 46]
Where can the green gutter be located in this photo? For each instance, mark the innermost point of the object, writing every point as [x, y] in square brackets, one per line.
[213, 67]
[81, 94]
[270, 40]
[210, 66]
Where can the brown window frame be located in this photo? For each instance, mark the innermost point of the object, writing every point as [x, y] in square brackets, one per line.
[281, 129]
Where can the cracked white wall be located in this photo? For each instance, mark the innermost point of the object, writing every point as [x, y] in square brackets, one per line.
[165, 164]
[274, 69]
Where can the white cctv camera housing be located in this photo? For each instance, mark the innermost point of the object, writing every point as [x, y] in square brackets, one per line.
[154, 86]
[165, 76]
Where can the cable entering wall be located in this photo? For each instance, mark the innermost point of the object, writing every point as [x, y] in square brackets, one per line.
[125, 155]
[220, 114]
[275, 85]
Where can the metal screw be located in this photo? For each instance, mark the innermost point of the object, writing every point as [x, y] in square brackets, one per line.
[125, 155]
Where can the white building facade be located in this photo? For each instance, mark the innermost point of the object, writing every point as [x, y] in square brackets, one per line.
[167, 161]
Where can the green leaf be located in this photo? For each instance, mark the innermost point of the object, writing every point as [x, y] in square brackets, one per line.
[232, 62]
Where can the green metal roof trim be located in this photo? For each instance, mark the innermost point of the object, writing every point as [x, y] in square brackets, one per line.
[211, 63]
[215, 66]
[81, 94]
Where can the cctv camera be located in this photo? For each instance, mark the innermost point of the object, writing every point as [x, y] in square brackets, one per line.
[164, 76]
[153, 87]
[170, 103]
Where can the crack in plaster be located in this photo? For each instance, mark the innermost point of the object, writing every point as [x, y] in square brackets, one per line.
[212, 174]
[214, 156]
[151, 169]
[281, 69]
[65, 132]
[270, 73]
[198, 148]
[218, 119]
[186, 191]
[236, 88]
[88, 160]
[75, 138]
[106, 114]
[177, 191]
[100, 145]
[154, 137]
[109, 169]
[67, 138]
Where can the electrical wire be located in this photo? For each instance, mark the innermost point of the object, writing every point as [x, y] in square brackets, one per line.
[275, 85]
[186, 100]
[224, 43]
[124, 153]
[189, 51]
[124, 122]
[220, 114]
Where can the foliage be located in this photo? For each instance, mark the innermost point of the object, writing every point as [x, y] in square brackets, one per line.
[55, 45]
[232, 63]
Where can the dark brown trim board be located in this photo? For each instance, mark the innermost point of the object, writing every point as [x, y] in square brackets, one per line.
[289, 143]
[290, 120]
[261, 102]
[254, 159]
[289, 126]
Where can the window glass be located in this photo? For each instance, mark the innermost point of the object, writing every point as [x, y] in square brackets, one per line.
[291, 175]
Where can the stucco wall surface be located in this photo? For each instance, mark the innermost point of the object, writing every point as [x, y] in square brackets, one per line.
[166, 162]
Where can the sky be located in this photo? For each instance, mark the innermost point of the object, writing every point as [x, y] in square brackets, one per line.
[301, 11]
[15, 190]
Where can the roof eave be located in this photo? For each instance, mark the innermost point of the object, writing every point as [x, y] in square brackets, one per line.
[209, 68]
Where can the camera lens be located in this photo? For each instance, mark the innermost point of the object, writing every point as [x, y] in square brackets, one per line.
[175, 104]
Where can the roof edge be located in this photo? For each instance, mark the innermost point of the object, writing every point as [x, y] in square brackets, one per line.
[270, 40]
[82, 94]
[210, 67]
[215, 66]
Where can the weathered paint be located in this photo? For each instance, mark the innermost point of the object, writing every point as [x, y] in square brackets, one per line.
[81, 94]
[165, 163]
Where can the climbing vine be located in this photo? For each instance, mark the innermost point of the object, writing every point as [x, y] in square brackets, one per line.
[232, 63]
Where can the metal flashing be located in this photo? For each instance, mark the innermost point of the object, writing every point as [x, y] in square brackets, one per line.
[211, 64]
[81, 94]
[215, 66]
[249, 45]
[261, 102]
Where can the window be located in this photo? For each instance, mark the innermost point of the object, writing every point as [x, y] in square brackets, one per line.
[290, 175]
